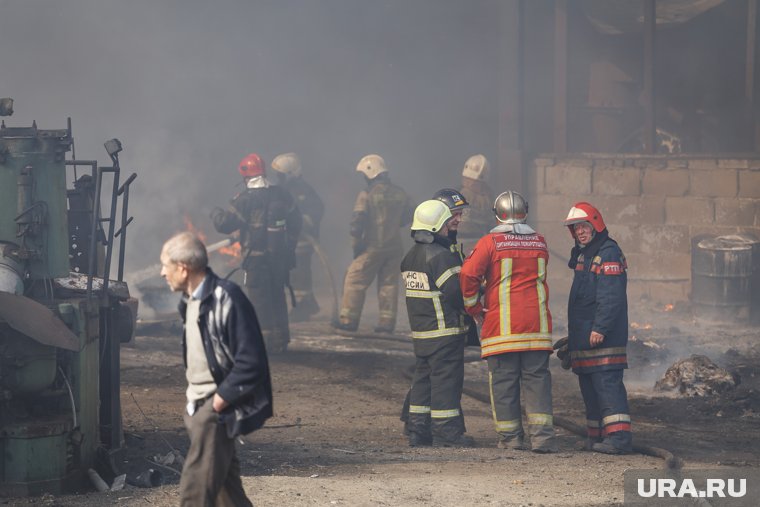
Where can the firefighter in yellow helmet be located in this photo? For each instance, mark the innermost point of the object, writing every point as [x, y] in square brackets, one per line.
[288, 169]
[477, 220]
[379, 212]
[430, 271]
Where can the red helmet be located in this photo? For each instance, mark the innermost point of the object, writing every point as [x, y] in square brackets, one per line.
[252, 165]
[584, 212]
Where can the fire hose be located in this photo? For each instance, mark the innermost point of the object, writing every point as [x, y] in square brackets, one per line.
[326, 265]
[671, 461]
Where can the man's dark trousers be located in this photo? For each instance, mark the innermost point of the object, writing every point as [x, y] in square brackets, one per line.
[211, 473]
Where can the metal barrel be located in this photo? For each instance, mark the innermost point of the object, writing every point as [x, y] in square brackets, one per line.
[722, 270]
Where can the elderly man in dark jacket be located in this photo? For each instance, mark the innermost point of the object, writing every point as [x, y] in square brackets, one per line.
[597, 321]
[229, 391]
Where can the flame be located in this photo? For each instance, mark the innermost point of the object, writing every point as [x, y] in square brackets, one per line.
[192, 228]
[234, 250]
[636, 325]
[668, 308]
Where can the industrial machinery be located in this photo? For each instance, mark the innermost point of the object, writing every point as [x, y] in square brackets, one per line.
[61, 318]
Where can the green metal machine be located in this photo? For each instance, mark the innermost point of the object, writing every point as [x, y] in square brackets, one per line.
[60, 323]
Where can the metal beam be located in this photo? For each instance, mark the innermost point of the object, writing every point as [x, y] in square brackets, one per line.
[753, 129]
[511, 96]
[650, 27]
[560, 76]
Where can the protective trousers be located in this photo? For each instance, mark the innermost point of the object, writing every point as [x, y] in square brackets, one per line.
[301, 281]
[437, 391]
[506, 373]
[265, 287]
[211, 473]
[607, 414]
[382, 264]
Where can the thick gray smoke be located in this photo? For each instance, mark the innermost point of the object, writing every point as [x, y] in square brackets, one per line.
[190, 87]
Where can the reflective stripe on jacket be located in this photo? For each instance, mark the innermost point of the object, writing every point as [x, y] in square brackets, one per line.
[516, 299]
[598, 302]
[430, 275]
[234, 347]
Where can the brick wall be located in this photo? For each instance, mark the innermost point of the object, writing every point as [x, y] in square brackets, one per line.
[652, 205]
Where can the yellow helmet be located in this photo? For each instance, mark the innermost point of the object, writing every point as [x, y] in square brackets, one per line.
[431, 216]
[476, 168]
[371, 166]
[288, 164]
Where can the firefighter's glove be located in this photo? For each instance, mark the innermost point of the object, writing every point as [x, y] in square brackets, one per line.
[563, 354]
[471, 338]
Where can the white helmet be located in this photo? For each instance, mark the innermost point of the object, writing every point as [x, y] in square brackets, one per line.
[287, 164]
[510, 208]
[431, 216]
[476, 168]
[371, 166]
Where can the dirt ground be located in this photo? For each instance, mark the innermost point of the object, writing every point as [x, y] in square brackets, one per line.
[336, 438]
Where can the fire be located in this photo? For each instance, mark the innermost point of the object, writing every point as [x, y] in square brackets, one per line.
[668, 308]
[234, 250]
[636, 325]
[192, 228]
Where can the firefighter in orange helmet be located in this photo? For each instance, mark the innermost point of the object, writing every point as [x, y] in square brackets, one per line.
[517, 325]
[269, 223]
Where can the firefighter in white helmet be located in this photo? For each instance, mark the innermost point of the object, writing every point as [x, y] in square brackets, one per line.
[477, 220]
[430, 271]
[379, 212]
[288, 169]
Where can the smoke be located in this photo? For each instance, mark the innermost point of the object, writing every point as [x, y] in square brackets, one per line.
[191, 87]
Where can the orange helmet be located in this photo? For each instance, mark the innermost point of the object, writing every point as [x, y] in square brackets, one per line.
[584, 212]
[252, 165]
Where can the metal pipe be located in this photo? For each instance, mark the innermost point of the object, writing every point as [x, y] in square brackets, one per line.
[124, 189]
[71, 397]
[111, 223]
[93, 230]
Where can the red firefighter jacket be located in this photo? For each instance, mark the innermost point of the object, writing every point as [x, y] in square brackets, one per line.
[516, 299]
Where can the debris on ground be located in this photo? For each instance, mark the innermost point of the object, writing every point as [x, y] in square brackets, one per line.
[697, 376]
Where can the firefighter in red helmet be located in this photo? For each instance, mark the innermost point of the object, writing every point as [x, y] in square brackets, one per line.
[597, 325]
[269, 224]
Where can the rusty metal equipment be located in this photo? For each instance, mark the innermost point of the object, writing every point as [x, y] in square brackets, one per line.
[61, 317]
